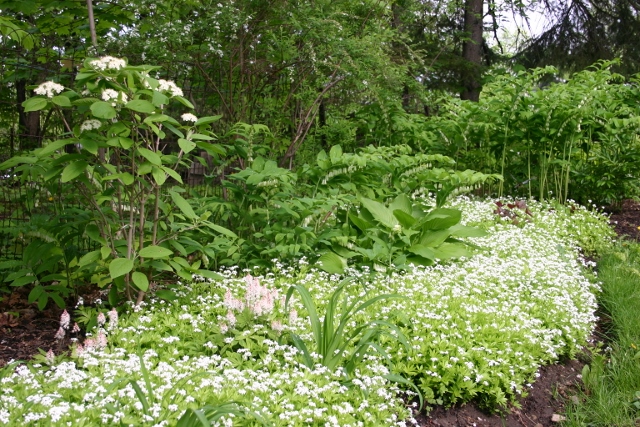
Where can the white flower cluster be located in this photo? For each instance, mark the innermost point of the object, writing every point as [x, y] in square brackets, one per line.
[170, 87]
[113, 96]
[88, 125]
[108, 63]
[49, 89]
[188, 117]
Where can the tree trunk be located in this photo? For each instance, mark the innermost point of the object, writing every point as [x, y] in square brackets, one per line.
[472, 50]
[28, 123]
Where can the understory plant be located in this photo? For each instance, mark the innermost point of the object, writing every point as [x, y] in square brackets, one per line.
[124, 156]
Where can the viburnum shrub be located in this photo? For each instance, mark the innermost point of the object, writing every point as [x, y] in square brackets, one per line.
[121, 158]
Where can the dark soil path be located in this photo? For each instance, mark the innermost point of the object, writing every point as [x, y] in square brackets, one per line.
[24, 330]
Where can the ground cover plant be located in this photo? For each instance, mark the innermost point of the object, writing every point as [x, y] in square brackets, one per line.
[476, 329]
[611, 392]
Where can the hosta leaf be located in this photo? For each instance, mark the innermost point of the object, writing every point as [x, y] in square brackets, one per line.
[405, 219]
[466, 231]
[451, 250]
[332, 263]
[433, 239]
[441, 218]
[423, 251]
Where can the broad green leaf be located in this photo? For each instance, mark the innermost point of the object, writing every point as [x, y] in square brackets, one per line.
[186, 145]
[103, 110]
[422, 251]
[125, 142]
[141, 106]
[208, 119]
[140, 280]
[402, 203]
[54, 146]
[362, 224]
[34, 104]
[466, 231]
[210, 274]
[72, 170]
[433, 239]
[89, 258]
[184, 101]
[173, 174]
[155, 252]
[450, 250]
[380, 212]
[335, 154]
[62, 101]
[159, 99]
[440, 219]
[332, 263]
[405, 219]
[153, 157]
[119, 267]
[183, 205]
[158, 175]
[221, 230]
[14, 161]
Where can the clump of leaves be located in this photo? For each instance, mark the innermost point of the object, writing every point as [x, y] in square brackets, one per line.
[518, 212]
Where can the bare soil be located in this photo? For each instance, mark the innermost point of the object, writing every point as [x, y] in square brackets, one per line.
[24, 331]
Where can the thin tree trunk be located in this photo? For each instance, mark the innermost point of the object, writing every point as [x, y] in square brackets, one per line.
[472, 50]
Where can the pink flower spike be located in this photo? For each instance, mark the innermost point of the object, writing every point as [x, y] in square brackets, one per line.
[113, 319]
[231, 318]
[101, 319]
[75, 328]
[65, 319]
[50, 356]
[60, 334]
[89, 343]
[102, 340]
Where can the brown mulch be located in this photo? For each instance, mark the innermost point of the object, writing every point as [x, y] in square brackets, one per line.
[24, 330]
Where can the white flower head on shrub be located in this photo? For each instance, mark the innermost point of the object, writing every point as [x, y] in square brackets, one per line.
[169, 87]
[108, 63]
[114, 96]
[188, 117]
[49, 89]
[90, 125]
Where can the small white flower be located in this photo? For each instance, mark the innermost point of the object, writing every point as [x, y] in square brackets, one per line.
[49, 89]
[188, 117]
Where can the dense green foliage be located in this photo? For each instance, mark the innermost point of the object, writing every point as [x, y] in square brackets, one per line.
[476, 329]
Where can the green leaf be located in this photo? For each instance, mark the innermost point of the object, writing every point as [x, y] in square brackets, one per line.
[53, 146]
[466, 231]
[210, 274]
[183, 205]
[433, 239]
[14, 161]
[184, 102]
[402, 203]
[380, 212]
[152, 156]
[423, 251]
[159, 99]
[34, 104]
[208, 119]
[62, 101]
[173, 174]
[405, 219]
[450, 250]
[335, 154]
[440, 219]
[89, 258]
[103, 110]
[120, 266]
[158, 175]
[155, 252]
[140, 280]
[72, 170]
[332, 263]
[186, 145]
[141, 106]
